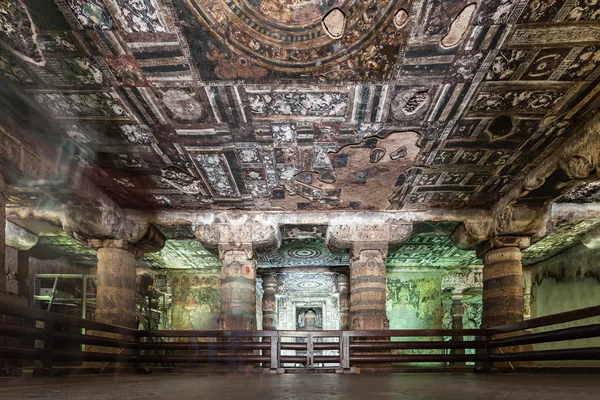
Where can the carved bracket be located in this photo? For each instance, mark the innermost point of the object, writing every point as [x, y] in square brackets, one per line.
[239, 233]
[357, 237]
[512, 221]
[104, 227]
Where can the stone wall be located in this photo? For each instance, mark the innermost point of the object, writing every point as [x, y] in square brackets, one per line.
[196, 300]
[565, 282]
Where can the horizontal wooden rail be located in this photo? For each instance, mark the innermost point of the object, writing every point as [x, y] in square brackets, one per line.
[418, 345]
[205, 346]
[589, 353]
[41, 315]
[417, 358]
[417, 333]
[577, 332]
[63, 342]
[547, 320]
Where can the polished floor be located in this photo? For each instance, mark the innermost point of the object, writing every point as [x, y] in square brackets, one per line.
[304, 387]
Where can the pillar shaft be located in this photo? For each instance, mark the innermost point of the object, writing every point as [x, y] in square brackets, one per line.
[115, 285]
[269, 302]
[502, 287]
[343, 286]
[457, 310]
[367, 290]
[238, 291]
[2, 236]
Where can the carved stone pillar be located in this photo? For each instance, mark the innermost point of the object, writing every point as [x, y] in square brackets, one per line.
[343, 288]
[368, 245]
[527, 293]
[367, 289]
[2, 227]
[457, 311]
[502, 281]
[115, 284]
[120, 239]
[238, 239]
[269, 302]
[238, 290]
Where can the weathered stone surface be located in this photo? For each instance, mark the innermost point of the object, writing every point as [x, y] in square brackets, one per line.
[238, 291]
[239, 232]
[459, 27]
[334, 23]
[19, 238]
[367, 290]
[343, 288]
[353, 236]
[269, 302]
[502, 287]
[115, 283]
[2, 229]
[591, 239]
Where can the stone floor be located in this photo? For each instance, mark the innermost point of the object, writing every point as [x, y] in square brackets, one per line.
[295, 387]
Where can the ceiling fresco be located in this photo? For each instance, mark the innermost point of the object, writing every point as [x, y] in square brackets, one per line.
[268, 105]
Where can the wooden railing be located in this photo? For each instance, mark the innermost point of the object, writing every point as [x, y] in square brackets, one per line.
[54, 340]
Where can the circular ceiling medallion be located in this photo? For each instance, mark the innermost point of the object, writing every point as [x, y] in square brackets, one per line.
[287, 36]
[305, 253]
[309, 284]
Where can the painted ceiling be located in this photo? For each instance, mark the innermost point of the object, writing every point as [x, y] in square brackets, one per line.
[303, 104]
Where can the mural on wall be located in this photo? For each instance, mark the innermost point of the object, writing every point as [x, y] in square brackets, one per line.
[196, 301]
[414, 300]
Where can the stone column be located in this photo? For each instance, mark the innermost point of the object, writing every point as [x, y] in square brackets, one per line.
[527, 293]
[343, 287]
[368, 245]
[115, 284]
[238, 238]
[2, 237]
[457, 311]
[502, 281]
[238, 290]
[269, 302]
[367, 289]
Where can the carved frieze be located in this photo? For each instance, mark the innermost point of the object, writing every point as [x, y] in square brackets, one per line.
[239, 233]
[358, 236]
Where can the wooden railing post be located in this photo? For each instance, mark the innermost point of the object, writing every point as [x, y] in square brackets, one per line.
[48, 345]
[275, 352]
[345, 350]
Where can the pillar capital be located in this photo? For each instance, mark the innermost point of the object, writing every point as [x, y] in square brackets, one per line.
[19, 238]
[359, 237]
[239, 234]
[99, 227]
[501, 242]
[514, 221]
[270, 282]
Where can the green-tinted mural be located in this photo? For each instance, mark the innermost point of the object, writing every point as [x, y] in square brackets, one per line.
[196, 303]
[414, 300]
